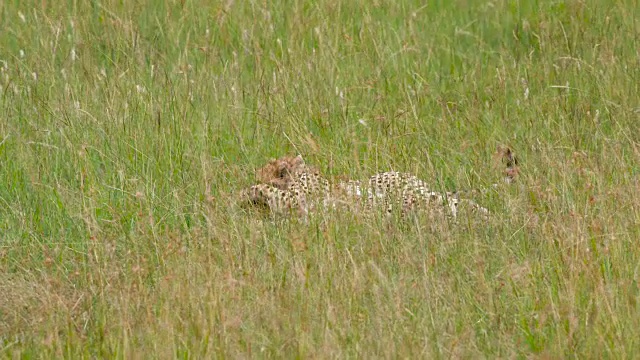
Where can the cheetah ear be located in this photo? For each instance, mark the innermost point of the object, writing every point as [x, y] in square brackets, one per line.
[298, 160]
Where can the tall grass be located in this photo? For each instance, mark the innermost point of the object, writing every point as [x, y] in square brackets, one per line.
[127, 128]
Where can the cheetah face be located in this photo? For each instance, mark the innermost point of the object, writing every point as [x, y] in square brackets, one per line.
[509, 159]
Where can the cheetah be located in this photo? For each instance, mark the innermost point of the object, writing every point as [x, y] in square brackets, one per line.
[291, 174]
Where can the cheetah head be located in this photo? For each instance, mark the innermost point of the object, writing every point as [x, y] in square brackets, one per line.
[278, 172]
[509, 159]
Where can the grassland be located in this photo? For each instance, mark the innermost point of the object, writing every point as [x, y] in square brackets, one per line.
[126, 129]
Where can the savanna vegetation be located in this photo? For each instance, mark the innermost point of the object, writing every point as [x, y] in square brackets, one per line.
[127, 129]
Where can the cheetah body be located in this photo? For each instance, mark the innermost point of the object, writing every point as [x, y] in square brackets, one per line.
[288, 184]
